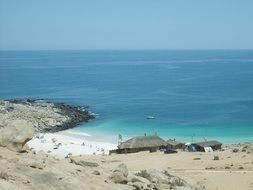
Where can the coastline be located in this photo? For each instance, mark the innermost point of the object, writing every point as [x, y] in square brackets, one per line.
[44, 115]
[54, 122]
[70, 154]
[64, 143]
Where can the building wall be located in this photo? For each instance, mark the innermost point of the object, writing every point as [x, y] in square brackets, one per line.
[178, 146]
[201, 149]
[133, 150]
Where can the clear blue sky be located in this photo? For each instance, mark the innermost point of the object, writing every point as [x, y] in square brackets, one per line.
[126, 24]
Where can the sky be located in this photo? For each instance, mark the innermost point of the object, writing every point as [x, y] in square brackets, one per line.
[129, 24]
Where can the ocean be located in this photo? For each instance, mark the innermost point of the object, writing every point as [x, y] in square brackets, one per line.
[193, 95]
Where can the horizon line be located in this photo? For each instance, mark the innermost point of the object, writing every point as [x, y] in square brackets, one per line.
[139, 49]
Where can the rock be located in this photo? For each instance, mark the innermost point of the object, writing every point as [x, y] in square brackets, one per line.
[41, 137]
[157, 175]
[15, 134]
[96, 172]
[216, 157]
[154, 180]
[120, 174]
[176, 181]
[164, 178]
[79, 161]
[138, 185]
[210, 168]
[26, 182]
[144, 174]
[4, 175]
[134, 178]
[37, 165]
[118, 177]
[123, 169]
[235, 150]
[165, 187]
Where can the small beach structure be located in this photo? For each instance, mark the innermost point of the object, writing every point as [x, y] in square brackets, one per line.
[141, 143]
[200, 146]
[173, 144]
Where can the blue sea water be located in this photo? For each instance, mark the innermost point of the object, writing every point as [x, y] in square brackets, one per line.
[192, 94]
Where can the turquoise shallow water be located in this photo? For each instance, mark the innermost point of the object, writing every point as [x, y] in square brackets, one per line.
[227, 133]
[192, 94]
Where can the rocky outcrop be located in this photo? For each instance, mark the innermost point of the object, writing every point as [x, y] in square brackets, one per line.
[20, 119]
[76, 114]
[15, 134]
[149, 179]
[43, 115]
[161, 180]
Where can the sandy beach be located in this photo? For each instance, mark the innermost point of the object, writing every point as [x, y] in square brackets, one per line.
[64, 143]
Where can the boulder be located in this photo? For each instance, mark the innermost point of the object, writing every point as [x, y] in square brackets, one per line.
[154, 175]
[165, 187]
[134, 178]
[235, 150]
[118, 177]
[138, 185]
[216, 157]
[164, 179]
[96, 172]
[81, 162]
[15, 134]
[123, 169]
[176, 181]
[4, 175]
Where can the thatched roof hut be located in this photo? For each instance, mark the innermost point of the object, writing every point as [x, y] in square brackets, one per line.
[175, 144]
[142, 143]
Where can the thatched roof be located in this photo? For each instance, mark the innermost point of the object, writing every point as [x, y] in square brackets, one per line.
[173, 142]
[142, 142]
[207, 143]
